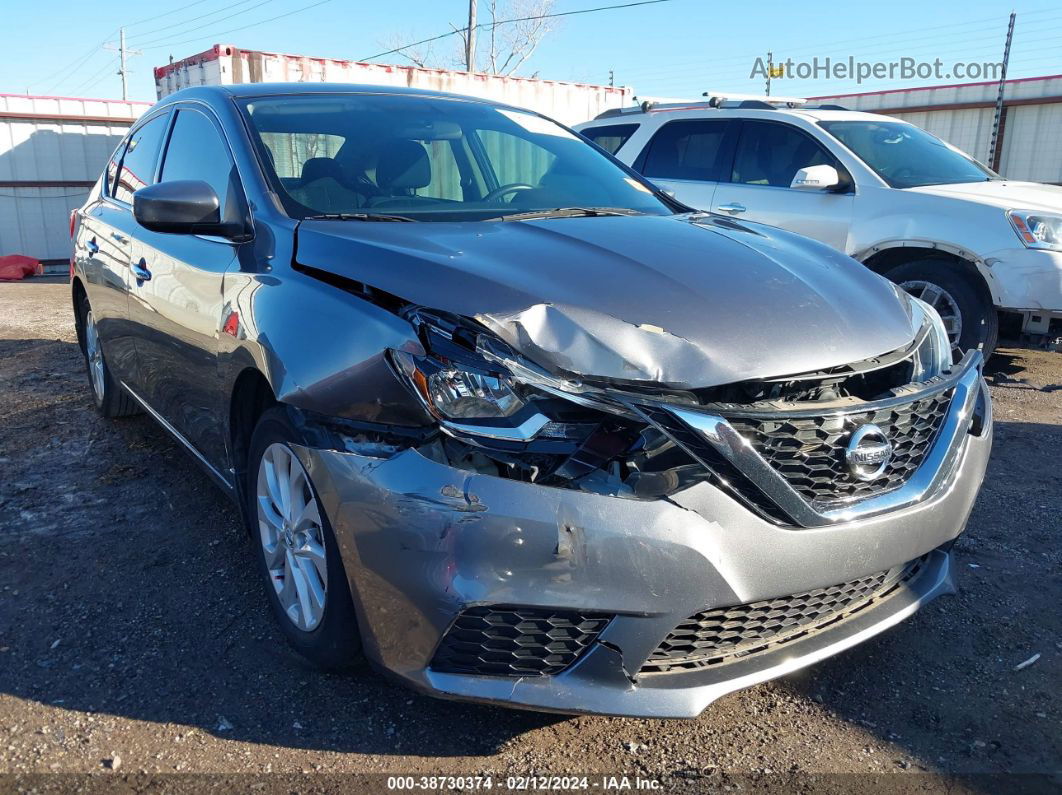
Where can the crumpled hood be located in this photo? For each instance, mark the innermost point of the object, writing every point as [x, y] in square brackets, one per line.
[1005, 194]
[674, 300]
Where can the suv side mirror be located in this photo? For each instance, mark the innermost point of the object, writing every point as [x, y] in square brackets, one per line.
[816, 178]
[182, 207]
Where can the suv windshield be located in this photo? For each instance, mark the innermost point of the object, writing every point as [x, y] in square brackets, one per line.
[906, 156]
[366, 156]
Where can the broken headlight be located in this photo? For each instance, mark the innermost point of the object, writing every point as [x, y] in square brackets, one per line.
[471, 400]
[933, 355]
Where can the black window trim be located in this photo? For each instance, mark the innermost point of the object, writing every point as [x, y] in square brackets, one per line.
[107, 193]
[241, 192]
[846, 177]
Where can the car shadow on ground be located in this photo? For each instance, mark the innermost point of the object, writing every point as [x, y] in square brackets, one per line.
[129, 589]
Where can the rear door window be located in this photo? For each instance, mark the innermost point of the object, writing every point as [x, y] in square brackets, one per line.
[769, 153]
[693, 149]
[138, 161]
[611, 137]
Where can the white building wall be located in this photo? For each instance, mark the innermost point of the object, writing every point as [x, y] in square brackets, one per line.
[59, 140]
[1032, 143]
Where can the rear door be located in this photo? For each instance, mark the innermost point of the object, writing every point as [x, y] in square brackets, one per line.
[106, 234]
[176, 308]
[767, 157]
[688, 157]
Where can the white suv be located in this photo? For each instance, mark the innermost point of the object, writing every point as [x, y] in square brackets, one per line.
[886, 192]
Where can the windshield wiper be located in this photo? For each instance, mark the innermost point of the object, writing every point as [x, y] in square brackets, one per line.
[357, 217]
[565, 212]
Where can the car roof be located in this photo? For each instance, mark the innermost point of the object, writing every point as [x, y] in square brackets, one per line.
[242, 90]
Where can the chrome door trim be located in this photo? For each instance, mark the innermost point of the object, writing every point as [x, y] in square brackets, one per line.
[180, 438]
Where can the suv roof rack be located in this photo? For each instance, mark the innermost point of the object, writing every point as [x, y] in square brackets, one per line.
[743, 101]
[825, 106]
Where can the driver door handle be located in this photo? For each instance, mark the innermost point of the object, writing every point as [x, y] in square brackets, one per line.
[733, 207]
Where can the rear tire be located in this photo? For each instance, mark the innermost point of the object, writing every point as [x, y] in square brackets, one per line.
[294, 542]
[972, 321]
[110, 398]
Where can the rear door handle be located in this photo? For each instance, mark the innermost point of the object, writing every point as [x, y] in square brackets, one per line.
[732, 208]
[140, 271]
[93, 247]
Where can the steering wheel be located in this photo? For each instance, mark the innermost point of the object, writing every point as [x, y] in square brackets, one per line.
[501, 190]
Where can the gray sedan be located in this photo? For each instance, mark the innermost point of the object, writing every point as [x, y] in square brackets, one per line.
[505, 419]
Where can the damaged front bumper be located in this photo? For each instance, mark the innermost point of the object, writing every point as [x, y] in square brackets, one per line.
[423, 541]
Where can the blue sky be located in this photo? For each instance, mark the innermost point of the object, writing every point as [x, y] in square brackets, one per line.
[677, 48]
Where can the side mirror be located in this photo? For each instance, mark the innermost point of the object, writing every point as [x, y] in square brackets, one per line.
[182, 207]
[816, 178]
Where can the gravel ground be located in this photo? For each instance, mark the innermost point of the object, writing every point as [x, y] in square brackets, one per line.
[135, 639]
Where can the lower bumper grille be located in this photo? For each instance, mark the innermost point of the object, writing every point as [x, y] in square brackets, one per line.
[722, 635]
[515, 641]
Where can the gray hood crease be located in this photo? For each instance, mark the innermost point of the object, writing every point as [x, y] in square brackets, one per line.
[678, 301]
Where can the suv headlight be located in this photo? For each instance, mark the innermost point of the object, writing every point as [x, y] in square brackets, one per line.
[933, 355]
[1037, 229]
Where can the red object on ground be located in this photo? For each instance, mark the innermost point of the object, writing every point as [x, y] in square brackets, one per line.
[18, 266]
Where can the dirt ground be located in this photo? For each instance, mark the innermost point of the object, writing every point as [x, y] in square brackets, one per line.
[135, 639]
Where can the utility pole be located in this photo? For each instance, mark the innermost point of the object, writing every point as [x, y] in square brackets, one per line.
[997, 122]
[123, 53]
[123, 71]
[770, 68]
[470, 38]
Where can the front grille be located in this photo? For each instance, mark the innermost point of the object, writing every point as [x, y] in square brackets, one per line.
[515, 641]
[725, 634]
[810, 451]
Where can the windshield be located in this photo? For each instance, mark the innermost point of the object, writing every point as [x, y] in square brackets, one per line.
[906, 156]
[363, 156]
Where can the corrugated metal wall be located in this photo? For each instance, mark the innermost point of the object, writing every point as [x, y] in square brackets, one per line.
[51, 151]
[1030, 149]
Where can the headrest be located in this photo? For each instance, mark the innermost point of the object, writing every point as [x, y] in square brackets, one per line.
[403, 164]
[319, 168]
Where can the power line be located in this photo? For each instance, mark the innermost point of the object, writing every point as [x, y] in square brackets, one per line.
[77, 63]
[241, 27]
[165, 13]
[163, 39]
[516, 19]
[96, 77]
[191, 19]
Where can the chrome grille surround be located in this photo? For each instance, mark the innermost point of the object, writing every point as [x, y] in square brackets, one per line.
[719, 444]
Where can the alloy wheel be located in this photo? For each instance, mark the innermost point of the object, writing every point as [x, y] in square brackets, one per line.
[289, 523]
[94, 356]
[942, 301]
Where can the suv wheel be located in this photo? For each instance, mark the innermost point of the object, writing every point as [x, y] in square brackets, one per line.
[296, 548]
[968, 314]
[111, 400]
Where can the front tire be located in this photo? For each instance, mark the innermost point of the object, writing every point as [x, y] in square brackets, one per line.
[110, 398]
[298, 557]
[965, 308]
